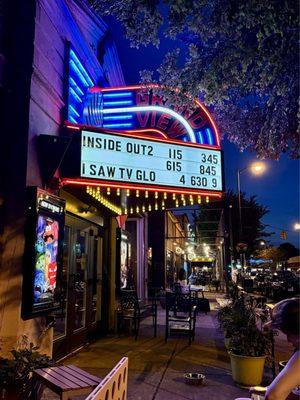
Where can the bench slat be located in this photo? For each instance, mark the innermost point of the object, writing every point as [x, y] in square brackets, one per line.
[79, 376]
[71, 378]
[54, 384]
[62, 381]
[94, 378]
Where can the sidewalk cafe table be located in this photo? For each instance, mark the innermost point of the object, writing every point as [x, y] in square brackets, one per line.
[197, 289]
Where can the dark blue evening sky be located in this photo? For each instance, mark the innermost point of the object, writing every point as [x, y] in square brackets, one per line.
[277, 189]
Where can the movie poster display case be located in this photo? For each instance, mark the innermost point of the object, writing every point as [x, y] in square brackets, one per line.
[45, 220]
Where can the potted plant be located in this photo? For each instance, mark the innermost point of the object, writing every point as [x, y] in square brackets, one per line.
[226, 315]
[16, 372]
[249, 344]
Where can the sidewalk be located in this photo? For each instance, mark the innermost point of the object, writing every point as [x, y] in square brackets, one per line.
[156, 368]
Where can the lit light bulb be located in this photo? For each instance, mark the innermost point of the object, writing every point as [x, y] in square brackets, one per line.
[258, 168]
[127, 192]
[137, 193]
[146, 194]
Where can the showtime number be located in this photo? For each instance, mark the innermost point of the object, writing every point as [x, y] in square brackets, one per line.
[207, 170]
[202, 181]
[210, 159]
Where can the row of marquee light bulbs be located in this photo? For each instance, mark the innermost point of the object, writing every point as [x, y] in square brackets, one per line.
[180, 200]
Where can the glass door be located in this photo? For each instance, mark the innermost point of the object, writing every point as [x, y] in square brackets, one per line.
[79, 315]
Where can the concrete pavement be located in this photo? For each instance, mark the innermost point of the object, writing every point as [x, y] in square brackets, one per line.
[156, 368]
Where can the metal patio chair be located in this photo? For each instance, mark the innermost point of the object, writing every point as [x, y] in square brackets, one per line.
[131, 309]
[181, 315]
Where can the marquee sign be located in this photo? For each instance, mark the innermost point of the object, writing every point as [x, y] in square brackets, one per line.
[145, 110]
[145, 161]
[139, 150]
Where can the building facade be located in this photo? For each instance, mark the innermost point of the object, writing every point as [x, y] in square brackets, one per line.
[35, 77]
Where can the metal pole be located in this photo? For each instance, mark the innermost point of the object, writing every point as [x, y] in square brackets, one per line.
[239, 203]
[230, 233]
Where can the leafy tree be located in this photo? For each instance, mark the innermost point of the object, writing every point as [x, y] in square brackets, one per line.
[279, 254]
[240, 57]
[271, 253]
[289, 250]
[252, 212]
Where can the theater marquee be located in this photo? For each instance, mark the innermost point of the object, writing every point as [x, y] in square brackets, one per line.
[147, 161]
[141, 151]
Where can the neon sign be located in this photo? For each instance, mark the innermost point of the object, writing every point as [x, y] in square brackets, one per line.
[79, 82]
[138, 109]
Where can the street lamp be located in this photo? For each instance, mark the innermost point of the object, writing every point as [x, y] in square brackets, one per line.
[256, 168]
[297, 226]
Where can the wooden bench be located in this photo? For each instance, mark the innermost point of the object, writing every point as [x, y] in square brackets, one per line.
[66, 381]
[114, 385]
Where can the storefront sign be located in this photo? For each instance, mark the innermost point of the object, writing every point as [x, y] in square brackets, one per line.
[150, 110]
[153, 162]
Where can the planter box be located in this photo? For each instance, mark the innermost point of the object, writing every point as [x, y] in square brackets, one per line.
[247, 371]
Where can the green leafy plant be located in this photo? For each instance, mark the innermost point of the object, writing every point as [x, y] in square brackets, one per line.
[17, 371]
[242, 322]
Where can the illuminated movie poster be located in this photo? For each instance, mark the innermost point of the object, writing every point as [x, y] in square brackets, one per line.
[46, 249]
[124, 264]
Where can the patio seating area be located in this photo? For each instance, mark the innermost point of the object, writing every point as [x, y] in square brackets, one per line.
[156, 368]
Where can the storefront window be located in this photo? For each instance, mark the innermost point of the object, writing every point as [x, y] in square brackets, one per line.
[62, 290]
[170, 270]
[97, 278]
[80, 278]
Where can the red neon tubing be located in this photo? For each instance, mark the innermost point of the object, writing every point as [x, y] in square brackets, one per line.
[137, 186]
[128, 133]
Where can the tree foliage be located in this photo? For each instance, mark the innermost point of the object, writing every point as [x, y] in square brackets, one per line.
[207, 220]
[240, 58]
[271, 253]
[278, 254]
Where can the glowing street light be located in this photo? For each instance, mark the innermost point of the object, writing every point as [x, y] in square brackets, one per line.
[257, 168]
[297, 226]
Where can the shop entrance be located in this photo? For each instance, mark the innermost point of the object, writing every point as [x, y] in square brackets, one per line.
[79, 318]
